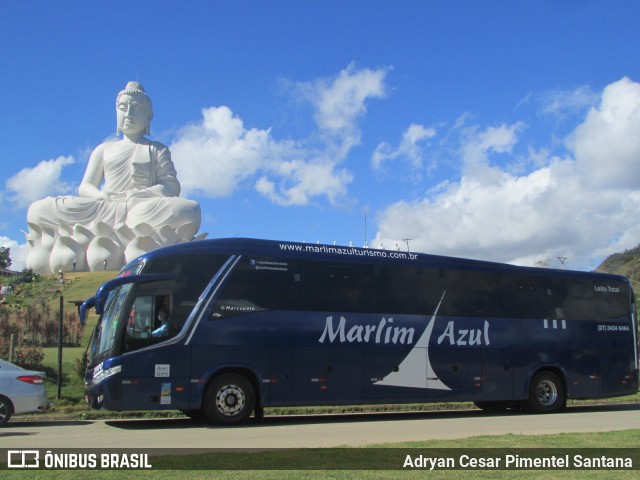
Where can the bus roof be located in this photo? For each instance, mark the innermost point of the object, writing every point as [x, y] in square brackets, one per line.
[348, 254]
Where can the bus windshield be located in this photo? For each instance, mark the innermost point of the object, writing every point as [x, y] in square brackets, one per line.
[106, 330]
[157, 303]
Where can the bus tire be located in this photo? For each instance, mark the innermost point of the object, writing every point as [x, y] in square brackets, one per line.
[258, 414]
[547, 393]
[229, 400]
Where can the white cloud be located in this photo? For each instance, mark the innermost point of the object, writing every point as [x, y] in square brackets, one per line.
[607, 143]
[583, 205]
[478, 145]
[307, 180]
[31, 184]
[17, 253]
[410, 147]
[560, 103]
[341, 100]
[215, 156]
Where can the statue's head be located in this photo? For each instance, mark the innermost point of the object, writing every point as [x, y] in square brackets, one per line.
[134, 110]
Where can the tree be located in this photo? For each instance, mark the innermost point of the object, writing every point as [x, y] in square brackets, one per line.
[5, 260]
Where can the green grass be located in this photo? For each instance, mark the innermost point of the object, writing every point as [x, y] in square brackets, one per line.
[82, 285]
[77, 286]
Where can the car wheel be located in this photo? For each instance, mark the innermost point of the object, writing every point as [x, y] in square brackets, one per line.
[5, 411]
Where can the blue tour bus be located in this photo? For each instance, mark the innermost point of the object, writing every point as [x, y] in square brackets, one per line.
[222, 328]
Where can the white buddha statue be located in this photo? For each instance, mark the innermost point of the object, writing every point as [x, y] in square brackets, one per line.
[128, 201]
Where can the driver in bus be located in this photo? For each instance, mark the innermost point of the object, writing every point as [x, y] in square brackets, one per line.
[163, 320]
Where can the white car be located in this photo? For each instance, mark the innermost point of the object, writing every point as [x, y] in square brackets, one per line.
[21, 391]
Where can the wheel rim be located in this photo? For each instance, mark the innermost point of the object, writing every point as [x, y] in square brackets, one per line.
[230, 400]
[4, 411]
[547, 393]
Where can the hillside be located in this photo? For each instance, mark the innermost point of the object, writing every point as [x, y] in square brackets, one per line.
[626, 263]
[77, 286]
[82, 285]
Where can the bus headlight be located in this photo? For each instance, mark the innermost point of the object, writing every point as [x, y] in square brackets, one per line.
[102, 375]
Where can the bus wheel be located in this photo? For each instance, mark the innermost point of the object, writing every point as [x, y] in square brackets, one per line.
[547, 393]
[229, 400]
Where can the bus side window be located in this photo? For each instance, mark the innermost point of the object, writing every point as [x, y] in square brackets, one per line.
[140, 318]
[338, 287]
[471, 293]
[527, 297]
[407, 290]
[149, 317]
[613, 300]
[574, 299]
[259, 284]
[162, 316]
[193, 272]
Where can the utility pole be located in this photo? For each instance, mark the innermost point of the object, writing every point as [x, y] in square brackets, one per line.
[366, 244]
[60, 338]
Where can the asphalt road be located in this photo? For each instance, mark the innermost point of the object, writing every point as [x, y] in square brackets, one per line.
[311, 431]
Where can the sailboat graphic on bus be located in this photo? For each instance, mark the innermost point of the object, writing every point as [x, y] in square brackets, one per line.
[415, 371]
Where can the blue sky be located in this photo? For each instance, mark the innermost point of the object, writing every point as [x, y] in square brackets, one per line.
[496, 130]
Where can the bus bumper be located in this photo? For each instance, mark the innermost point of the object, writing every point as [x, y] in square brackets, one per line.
[103, 387]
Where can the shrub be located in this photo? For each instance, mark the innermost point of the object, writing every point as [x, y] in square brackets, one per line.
[4, 347]
[26, 276]
[80, 365]
[29, 357]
